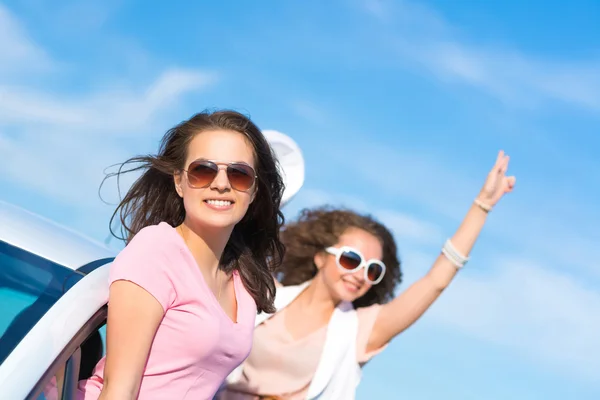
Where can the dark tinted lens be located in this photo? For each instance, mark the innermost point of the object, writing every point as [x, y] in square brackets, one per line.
[350, 260]
[241, 176]
[374, 271]
[202, 173]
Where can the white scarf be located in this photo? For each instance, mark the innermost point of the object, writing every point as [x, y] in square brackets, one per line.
[338, 373]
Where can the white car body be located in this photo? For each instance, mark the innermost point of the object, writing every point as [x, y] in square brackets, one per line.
[59, 338]
[28, 367]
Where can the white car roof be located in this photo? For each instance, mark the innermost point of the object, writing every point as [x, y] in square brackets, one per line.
[46, 238]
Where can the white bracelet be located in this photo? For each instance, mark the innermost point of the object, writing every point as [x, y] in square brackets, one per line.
[484, 206]
[457, 259]
[454, 262]
[458, 256]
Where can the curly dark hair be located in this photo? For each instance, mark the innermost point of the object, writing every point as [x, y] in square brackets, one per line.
[254, 248]
[318, 228]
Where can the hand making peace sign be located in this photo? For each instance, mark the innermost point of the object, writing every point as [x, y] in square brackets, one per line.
[497, 183]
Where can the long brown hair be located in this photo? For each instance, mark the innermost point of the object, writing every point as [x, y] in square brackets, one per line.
[318, 228]
[254, 248]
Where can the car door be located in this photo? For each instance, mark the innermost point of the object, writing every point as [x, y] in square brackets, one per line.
[75, 362]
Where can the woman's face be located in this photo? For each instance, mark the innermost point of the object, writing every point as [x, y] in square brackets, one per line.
[344, 286]
[218, 205]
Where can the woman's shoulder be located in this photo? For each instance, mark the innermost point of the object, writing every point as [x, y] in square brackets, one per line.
[153, 244]
[366, 321]
[367, 315]
[146, 261]
[153, 239]
[154, 233]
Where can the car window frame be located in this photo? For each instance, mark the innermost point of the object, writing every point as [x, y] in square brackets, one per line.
[71, 358]
[71, 376]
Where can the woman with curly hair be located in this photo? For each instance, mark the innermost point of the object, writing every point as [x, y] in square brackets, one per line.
[337, 307]
[200, 224]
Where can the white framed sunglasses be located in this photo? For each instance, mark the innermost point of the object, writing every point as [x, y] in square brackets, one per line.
[350, 260]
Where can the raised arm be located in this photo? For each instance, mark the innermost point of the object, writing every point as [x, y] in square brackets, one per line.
[133, 318]
[409, 306]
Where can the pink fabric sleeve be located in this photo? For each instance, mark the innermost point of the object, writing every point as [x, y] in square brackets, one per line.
[366, 321]
[144, 262]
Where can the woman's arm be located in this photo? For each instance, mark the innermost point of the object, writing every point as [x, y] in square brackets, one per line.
[409, 306]
[133, 318]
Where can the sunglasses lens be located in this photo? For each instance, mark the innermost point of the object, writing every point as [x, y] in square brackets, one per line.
[202, 173]
[349, 260]
[374, 272]
[241, 176]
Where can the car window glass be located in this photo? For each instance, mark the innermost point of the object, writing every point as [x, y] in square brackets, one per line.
[53, 389]
[92, 351]
[102, 331]
[29, 286]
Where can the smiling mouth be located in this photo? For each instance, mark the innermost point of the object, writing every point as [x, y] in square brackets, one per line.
[351, 286]
[219, 203]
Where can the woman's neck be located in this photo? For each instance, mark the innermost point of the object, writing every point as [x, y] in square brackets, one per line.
[206, 245]
[317, 299]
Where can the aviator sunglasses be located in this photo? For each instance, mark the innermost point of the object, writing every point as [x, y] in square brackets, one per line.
[351, 260]
[201, 173]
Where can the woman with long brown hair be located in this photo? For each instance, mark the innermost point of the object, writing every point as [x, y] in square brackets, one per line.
[202, 231]
[338, 308]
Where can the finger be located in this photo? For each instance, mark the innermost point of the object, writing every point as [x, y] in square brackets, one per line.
[504, 165]
[499, 158]
[510, 182]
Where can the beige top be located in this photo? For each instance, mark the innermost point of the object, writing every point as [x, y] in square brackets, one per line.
[282, 366]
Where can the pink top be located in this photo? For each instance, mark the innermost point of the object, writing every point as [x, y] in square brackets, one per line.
[196, 345]
[282, 366]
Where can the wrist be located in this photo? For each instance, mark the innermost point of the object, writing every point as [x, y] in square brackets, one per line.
[482, 204]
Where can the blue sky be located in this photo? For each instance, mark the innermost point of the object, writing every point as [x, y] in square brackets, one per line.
[399, 107]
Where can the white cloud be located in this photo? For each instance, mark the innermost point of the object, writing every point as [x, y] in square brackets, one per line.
[79, 16]
[75, 140]
[547, 316]
[17, 50]
[510, 76]
[424, 39]
[377, 8]
[404, 226]
[59, 144]
[309, 111]
[419, 176]
[559, 228]
[309, 197]
[118, 111]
